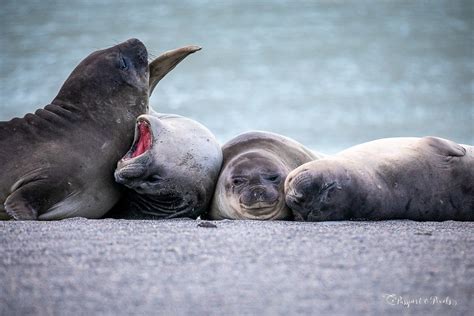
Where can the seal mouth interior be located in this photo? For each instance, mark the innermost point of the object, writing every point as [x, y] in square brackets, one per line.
[143, 140]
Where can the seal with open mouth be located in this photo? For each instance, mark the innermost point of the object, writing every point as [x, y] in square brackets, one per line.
[171, 168]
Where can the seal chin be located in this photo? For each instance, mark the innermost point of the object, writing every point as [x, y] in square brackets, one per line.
[259, 207]
[143, 140]
[260, 210]
[316, 216]
[164, 205]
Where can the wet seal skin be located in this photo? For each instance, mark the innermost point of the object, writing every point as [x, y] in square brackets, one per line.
[250, 184]
[172, 166]
[59, 162]
[423, 179]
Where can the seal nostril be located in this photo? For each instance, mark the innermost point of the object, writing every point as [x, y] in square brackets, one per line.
[134, 42]
[258, 193]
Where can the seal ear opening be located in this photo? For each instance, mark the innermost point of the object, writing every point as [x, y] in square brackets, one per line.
[166, 62]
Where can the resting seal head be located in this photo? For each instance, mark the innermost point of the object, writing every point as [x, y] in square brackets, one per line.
[171, 168]
[425, 179]
[250, 185]
[322, 192]
[59, 161]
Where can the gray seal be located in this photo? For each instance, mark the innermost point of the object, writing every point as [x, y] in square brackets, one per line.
[171, 168]
[59, 162]
[423, 179]
[250, 184]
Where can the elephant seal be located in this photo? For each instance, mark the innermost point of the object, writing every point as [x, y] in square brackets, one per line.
[250, 185]
[423, 179]
[171, 168]
[59, 162]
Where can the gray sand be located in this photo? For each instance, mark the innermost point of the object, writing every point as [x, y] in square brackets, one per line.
[122, 267]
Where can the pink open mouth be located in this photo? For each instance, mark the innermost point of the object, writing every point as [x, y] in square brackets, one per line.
[143, 140]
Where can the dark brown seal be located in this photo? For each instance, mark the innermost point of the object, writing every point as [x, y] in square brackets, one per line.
[59, 161]
[425, 179]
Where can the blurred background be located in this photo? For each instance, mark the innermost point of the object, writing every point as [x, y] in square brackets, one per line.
[329, 74]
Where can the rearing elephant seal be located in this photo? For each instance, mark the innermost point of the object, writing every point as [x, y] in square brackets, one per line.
[59, 162]
[171, 168]
[250, 185]
[421, 179]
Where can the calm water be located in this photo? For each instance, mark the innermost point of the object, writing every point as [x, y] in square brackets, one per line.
[329, 74]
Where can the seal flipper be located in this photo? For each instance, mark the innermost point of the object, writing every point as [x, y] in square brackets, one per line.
[166, 62]
[444, 147]
[31, 199]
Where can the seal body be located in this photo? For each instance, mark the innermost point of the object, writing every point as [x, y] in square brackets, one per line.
[171, 168]
[425, 179]
[59, 161]
[250, 184]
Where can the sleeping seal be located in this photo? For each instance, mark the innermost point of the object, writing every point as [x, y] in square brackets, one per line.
[250, 185]
[424, 179]
[59, 161]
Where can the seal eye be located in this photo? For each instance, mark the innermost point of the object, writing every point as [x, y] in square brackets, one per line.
[273, 178]
[238, 181]
[123, 63]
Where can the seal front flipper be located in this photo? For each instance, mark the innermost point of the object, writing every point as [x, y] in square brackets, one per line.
[31, 199]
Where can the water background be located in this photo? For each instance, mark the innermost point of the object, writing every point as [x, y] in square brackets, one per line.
[329, 74]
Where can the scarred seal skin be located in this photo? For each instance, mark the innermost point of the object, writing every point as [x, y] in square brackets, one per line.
[59, 161]
[250, 184]
[423, 179]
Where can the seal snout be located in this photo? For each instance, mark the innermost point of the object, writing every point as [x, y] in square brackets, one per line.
[258, 193]
[294, 197]
[134, 42]
[135, 50]
[296, 194]
[137, 44]
[258, 197]
[128, 173]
